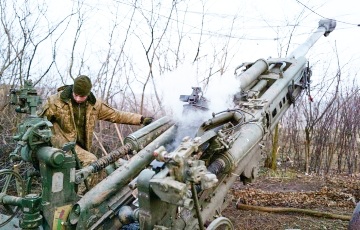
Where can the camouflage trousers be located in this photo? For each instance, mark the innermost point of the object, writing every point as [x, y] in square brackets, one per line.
[86, 158]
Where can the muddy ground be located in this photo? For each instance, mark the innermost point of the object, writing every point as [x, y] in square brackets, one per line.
[334, 194]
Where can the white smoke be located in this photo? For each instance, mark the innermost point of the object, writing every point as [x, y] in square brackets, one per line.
[219, 93]
[176, 83]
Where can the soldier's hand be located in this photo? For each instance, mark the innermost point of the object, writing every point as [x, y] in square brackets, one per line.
[146, 120]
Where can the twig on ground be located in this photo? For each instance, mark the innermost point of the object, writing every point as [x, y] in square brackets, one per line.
[297, 210]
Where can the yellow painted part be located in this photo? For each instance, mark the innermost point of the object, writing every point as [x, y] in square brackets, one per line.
[60, 216]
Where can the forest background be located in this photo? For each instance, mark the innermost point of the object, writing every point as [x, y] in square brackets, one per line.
[141, 55]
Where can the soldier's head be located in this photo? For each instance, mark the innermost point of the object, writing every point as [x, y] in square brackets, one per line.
[81, 88]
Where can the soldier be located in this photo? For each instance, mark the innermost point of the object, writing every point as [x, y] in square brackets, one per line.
[73, 112]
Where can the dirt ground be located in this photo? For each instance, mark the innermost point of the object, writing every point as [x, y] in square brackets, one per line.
[335, 194]
[330, 194]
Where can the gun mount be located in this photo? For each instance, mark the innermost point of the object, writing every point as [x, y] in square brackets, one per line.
[26, 98]
[162, 187]
[195, 100]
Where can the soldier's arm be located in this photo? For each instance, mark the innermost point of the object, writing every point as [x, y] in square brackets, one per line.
[46, 111]
[107, 113]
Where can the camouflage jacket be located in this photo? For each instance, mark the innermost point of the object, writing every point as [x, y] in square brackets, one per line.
[58, 110]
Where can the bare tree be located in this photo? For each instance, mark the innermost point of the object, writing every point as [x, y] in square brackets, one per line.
[153, 44]
[313, 114]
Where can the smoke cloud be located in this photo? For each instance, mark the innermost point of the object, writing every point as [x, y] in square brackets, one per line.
[219, 94]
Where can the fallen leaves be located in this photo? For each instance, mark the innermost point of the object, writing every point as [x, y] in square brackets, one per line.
[333, 193]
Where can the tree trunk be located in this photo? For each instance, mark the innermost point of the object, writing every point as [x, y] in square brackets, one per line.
[296, 210]
[275, 147]
[307, 150]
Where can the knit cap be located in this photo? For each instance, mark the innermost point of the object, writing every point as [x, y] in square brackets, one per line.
[82, 85]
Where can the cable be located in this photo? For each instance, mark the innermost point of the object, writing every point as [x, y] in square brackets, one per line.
[326, 17]
[212, 33]
[219, 34]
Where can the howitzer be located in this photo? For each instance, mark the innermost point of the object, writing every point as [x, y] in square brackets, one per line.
[162, 186]
[189, 193]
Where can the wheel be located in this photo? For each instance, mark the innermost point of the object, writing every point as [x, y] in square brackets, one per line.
[220, 223]
[11, 189]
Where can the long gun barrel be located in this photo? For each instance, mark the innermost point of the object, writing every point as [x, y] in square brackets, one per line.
[326, 26]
